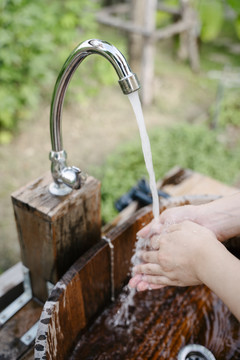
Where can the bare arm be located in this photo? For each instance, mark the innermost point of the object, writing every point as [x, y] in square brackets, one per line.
[222, 216]
[222, 276]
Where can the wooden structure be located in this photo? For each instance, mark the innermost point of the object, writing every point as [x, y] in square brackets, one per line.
[54, 231]
[138, 19]
[85, 290]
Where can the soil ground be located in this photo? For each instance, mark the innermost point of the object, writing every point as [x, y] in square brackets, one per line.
[90, 132]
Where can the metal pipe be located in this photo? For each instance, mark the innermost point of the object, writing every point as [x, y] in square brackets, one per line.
[66, 178]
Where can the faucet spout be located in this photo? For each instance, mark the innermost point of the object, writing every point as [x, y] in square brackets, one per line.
[68, 178]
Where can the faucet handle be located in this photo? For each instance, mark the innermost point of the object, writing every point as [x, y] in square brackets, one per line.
[73, 177]
[70, 176]
[65, 178]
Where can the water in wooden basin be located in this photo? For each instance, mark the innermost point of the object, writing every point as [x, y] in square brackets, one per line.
[78, 320]
[164, 321]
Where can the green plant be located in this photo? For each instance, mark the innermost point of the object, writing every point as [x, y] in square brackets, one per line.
[35, 39]
[211, 14]
[212, 17]
[230, 109]
[235, 4]
[187, 145]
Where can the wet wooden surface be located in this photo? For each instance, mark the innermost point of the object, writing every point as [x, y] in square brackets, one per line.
[161, 322]
[85, 290]
[168, 319]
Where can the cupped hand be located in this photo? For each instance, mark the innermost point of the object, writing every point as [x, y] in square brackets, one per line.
[177, 253]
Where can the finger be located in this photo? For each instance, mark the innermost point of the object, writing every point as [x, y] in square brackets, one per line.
[135, 280]
[154, 227]
[157, 280]
[143, 233]
[143, 285]
[177, 226]
[155, 286]
[151, 269]
[150, 256]
[155, 242]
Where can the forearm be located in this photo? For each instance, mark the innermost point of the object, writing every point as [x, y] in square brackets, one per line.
[220, 271]
[222, 216]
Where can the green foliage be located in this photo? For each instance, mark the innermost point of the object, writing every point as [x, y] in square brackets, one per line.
[211, 14]
[237, 26]
[212, 17]
[187, 145]
[35, 39]
[235, 4]
[230, 109]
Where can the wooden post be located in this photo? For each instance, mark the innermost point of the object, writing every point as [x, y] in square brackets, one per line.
[54, 231]
[142, 48]
[188, 39]
[135, 40]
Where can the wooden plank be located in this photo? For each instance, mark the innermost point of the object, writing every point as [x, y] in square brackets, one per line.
[85, 290]
[198, 184]
[11, 348]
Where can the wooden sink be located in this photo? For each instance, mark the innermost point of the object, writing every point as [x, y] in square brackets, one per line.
[76, 320]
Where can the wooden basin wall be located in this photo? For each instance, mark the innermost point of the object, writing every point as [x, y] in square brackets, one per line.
[85, 289]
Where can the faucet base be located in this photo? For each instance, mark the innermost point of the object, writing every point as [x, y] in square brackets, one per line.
[59, 190]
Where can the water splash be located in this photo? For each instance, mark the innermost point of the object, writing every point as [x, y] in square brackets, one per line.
[111, 246]
[125, 314]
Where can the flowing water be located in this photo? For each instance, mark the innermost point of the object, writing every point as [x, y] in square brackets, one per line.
[123, 315]
[146, 148]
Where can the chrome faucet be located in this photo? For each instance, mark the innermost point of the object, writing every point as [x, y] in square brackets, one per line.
[68, 178]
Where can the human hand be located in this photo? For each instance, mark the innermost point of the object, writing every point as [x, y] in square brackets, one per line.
[171, 216]
[176, 259]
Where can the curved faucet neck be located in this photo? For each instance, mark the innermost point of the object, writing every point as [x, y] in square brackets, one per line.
[127, 80]
[67, 178]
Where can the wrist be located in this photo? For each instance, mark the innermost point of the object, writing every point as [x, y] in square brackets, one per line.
[209, 216]
[208, 256]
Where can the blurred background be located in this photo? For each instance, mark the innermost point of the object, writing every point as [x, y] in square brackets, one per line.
[186, 54]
